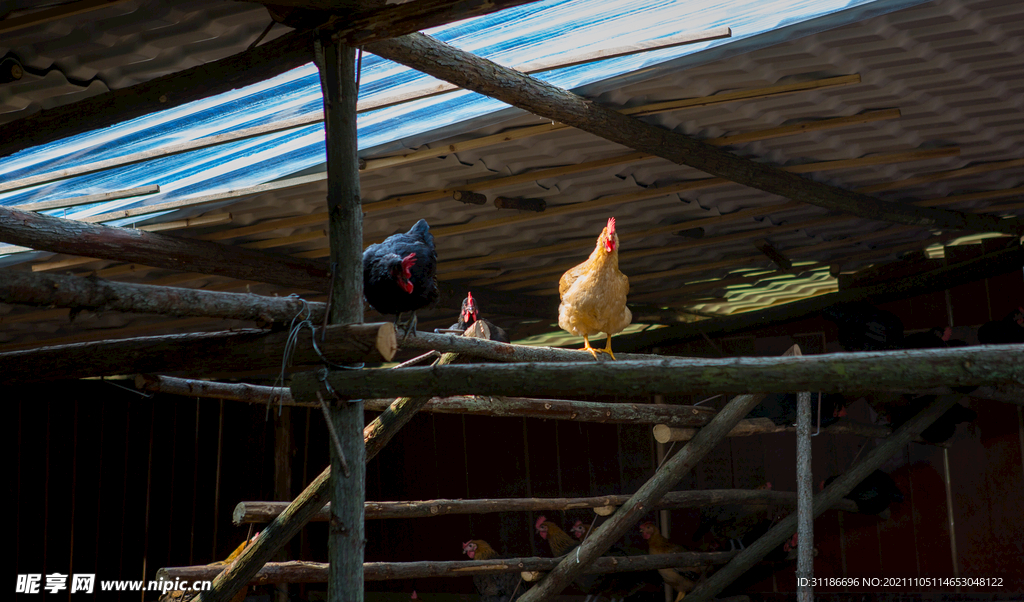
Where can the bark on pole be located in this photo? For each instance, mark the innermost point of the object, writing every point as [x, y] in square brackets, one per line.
[435, 58]
[784, 529]
[316, 572]
[262, 512]
[59, 235]
[831, 372]
[95, 294]
[337, 65]
[375, 436]
[804, 493]
[200, 353]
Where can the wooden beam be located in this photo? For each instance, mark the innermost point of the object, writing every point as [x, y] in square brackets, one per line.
[58, 235]
[831, 372]
[97, 295]
[289, 51]
[471, 72]
[298, 571]
[784, 529]
[197, 353]
[978, 268]
[502, 352]
[76, 201]
[375, 436]
[262, 512]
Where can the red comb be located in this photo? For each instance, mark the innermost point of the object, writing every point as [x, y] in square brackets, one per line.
[409, 260]
[540, 521]
[611, 226]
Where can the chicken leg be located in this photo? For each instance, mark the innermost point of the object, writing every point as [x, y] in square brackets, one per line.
[587, 347]
[608, 347]
[406, 326]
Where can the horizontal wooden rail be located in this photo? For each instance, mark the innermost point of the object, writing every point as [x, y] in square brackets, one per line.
[262, 512]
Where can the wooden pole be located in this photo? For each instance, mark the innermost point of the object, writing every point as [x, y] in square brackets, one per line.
[262, 512]
[833, 372]
[804, 493]
[839, 488]
[197, 353]
[485, 77]
[314, 572]
[504, 352]
[641, 502]
[663, 433]
[676, 424]
[59, 235]
[346, 541]
[95, 294]
[375, 436]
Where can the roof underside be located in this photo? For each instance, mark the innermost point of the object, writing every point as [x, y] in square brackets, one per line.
[951, 67]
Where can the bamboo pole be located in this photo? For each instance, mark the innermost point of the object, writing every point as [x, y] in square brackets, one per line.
[262, 512]
[839, 488]
[198, 353]
[485, 77]
[98, 295]
[832, 372]
[314, 572]
[663, 433]
[375, 436]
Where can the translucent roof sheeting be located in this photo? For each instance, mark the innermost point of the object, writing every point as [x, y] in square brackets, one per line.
[542, 30]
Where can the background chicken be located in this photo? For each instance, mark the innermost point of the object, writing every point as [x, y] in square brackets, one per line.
[1007, 331]
[657, 544]
[594, 293]
[470, 323]
[780, 408]
[614, 586]
[501, 587]
[400, 275]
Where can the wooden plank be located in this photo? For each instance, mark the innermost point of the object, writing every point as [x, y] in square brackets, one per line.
[437, 59]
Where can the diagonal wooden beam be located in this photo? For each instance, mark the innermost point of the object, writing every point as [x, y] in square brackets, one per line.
[249, 67]
[485, 77]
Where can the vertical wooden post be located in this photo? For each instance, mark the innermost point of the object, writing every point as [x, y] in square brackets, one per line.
[283, 481]
[804, 495]
[348, 491]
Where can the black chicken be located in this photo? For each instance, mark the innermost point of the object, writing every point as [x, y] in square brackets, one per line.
[1003, 332]
[400, 275]
[781, 408]
[735, 522]
[873, 494]
[863, 327]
